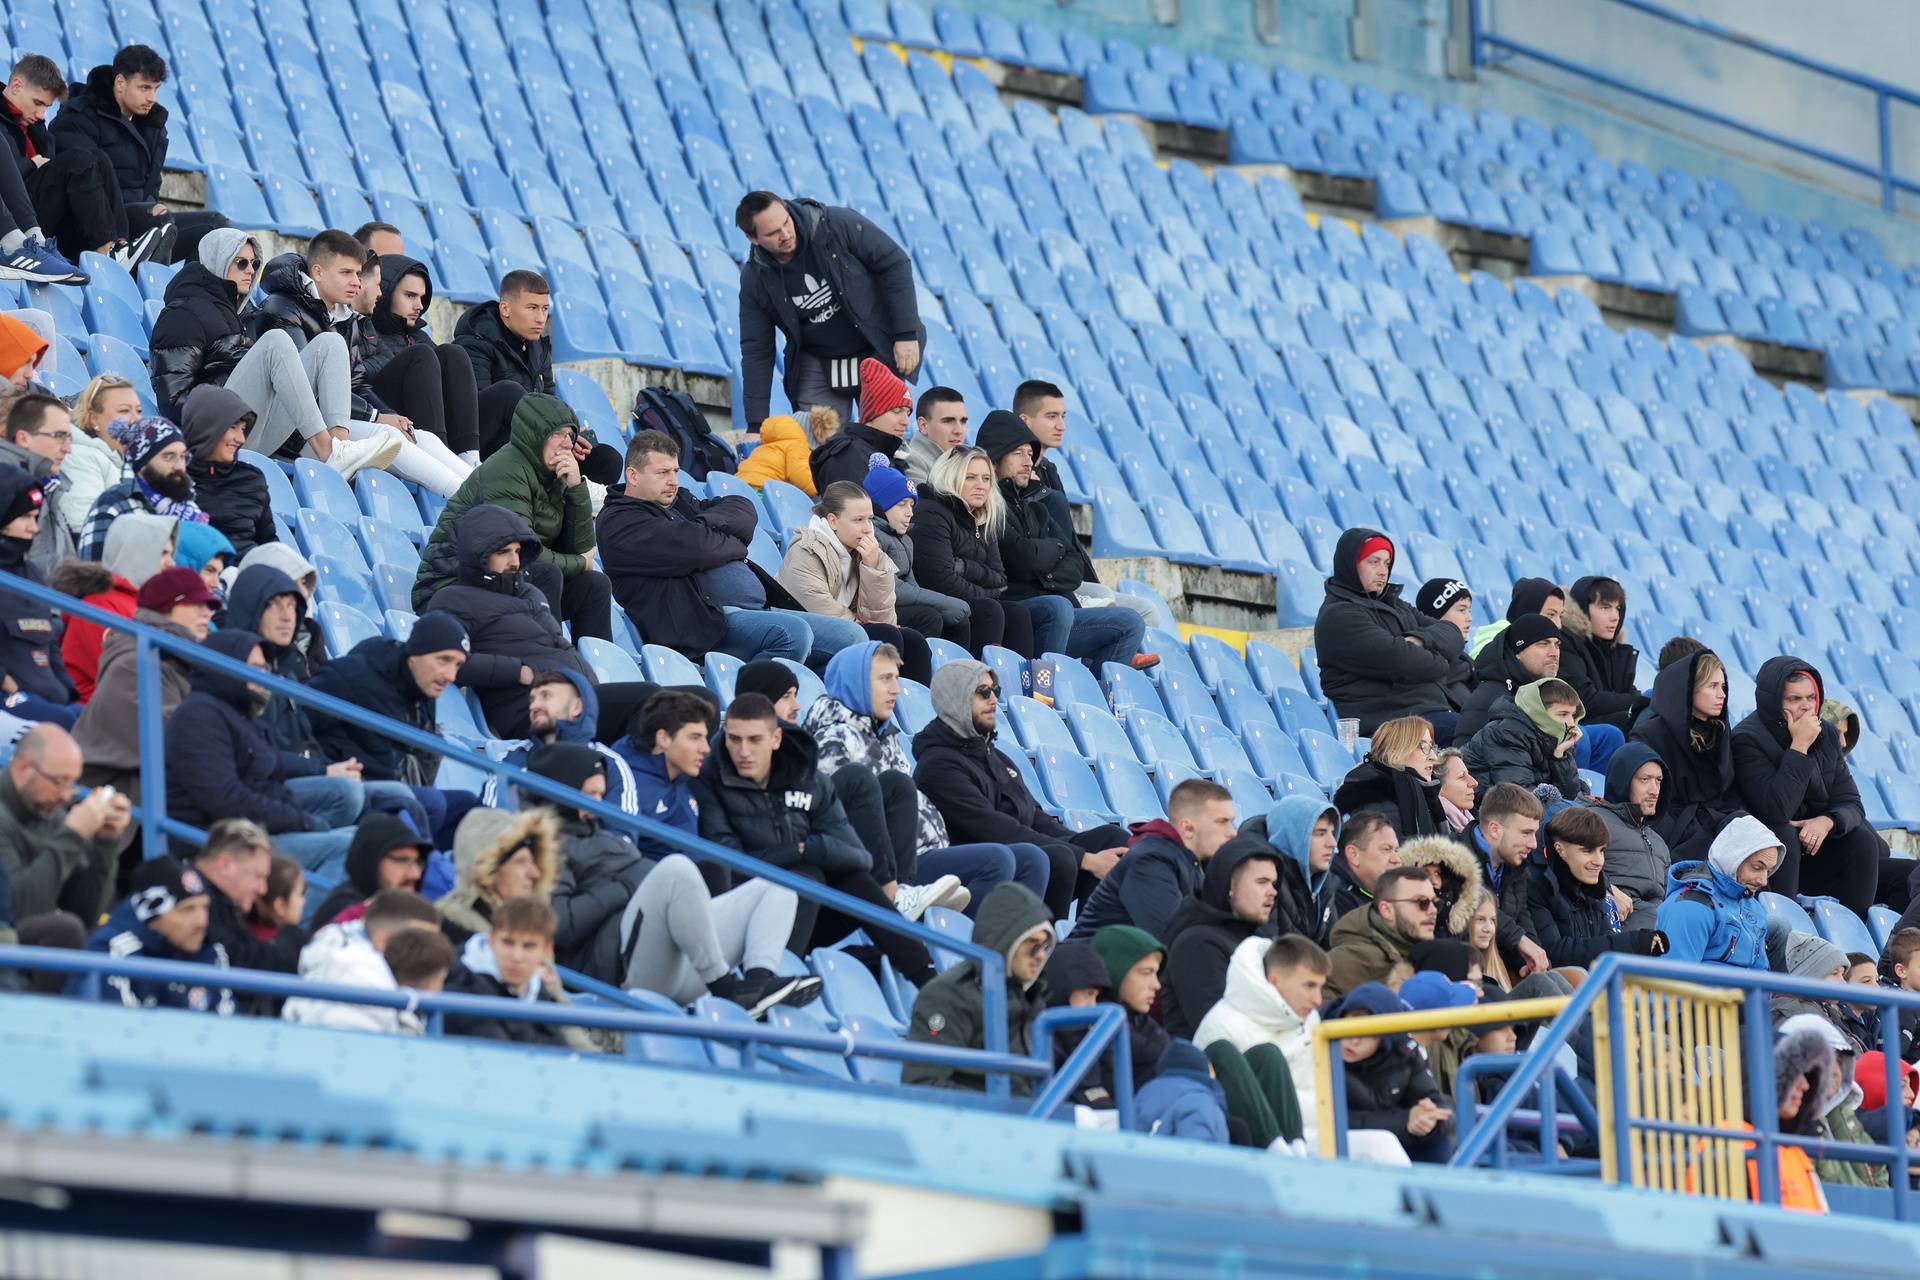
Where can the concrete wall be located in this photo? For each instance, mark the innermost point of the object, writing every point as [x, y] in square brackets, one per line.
[1409, 52]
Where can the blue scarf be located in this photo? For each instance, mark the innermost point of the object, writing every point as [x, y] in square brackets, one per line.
[161, 505]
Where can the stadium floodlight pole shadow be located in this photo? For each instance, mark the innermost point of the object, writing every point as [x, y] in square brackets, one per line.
[151, 643]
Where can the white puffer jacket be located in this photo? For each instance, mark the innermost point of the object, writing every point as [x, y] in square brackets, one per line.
[1252, 1012]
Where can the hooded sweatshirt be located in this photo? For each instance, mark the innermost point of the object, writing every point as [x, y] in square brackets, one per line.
[847, 732]
[1637, 855]
[233, 494]
[1290, 826]
[979, 792]
[1252, 1012]
[385, 335]
[343, 955]
[1122, 946]
[1602, 672]
[1367, 667]
[1780, 785]
[221, 761]
[1700, 791]
[374, 837]
[948, 1009]
[583, 730]
[134, 546]
[1517, 744]
[1709, 915]
[1076, 966]
[1183, 1100]
[1203, 932]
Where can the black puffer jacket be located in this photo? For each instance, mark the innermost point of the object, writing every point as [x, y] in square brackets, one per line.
[871, 274]
[979, 792]
[138, 147]
[952, 554]
[1367, 666]
[1040, 558]
[1570, 919]
[1700, 792]
[507, 619]
[197, 338]
[1382, 1089]
[1147, 886]
[771, 822]
[849, 452]
[385, 335]
[289, 305]
[1511, 748]
[1401, 794]
[498, 356]
[1497, 674]
[658, 560]
[221, 761]
[374, 837]
[29, 631]
[258, 586]
[233, 494]
[599, 869]
[1781, 786]
[1601, 672]
[1202, 934]
[374, 675]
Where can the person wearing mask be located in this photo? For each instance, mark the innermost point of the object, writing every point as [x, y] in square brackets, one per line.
[981, 795]
[1595, 657]
[958, 520]
[98, 461]
[1637, 855]
[215, 423]
[1712, 912]
[835, 568]
[948, 1011]
[1235, 903]
[431, 385]
[1045, 568]
[836, 288]
[1792, 774]
[1686, 725]
[1577, 913]
[885, 408]
[1397, 778]
[537, 476]
[928, 612]
[1449, 600]
[1379, 656]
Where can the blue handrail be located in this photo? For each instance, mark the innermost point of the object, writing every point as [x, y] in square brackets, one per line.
[1607, 978]
[1482, 39]
[151, 643]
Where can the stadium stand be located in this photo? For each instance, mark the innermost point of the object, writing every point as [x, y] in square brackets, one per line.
[1247, 374]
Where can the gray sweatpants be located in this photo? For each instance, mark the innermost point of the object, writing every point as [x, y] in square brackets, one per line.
[688, 938]
[305, 391]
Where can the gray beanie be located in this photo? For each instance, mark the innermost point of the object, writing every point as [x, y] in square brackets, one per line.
[1811, 956]
[219, 247]
[952, 689]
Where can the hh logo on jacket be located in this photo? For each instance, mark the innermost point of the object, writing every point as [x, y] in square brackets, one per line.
[802, 800]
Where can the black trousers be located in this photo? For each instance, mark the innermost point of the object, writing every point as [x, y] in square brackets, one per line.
[188, 225]
[884, 809]
[75, 199]
[916, 659]
[815, 925]
[495, 415]
[1067, 882]
[584, 601]
[1847, 867]
[434, 387]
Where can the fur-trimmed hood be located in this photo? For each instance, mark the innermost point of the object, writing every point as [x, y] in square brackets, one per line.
[485, 839]
[80, 578]
[1451, 856]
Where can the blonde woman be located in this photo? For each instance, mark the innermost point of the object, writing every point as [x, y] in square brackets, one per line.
[98, 461]
[1397, 778]
[957, 522]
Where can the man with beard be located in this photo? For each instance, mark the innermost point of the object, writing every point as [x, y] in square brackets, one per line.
[157, 457]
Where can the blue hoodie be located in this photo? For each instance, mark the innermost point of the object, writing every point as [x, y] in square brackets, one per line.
[581, 729]
[1290, 830]
[668, 802]
[849, 680]
[1709, 916]
[124, 936]
[1183, 1100]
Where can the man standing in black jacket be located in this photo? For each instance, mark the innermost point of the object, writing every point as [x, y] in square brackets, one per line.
[837, 287]
[233, 863]
[981, 796]
[679, 565]
[116, 112]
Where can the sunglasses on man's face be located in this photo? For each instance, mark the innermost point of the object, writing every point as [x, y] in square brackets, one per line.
[987, 692]
[246, 264]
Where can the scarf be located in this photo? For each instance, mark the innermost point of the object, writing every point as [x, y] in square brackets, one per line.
[849, 573]
[1458, 819]
[161, 505]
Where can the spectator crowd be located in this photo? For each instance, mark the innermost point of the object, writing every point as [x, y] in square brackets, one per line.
[1522, 807]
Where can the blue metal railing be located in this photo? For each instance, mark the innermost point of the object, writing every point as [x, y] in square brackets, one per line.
[1489, 47]
[1608, 979]
[150, 644]
[1106, 1023]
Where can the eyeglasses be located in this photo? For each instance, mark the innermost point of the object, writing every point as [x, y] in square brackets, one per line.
[988, 692]
[1037, 946]
[64, 437]
[1428, 748]
[1425, 904]
[62, 784]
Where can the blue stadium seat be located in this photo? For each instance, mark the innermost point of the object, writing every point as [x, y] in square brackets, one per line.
[1070, 784]
[664, 666]
[1129, 791]
[343, 627]
[1781, 907]
[1838, 925]
[610, 663]
[321, 488]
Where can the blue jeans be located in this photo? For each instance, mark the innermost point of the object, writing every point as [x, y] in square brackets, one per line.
[766, 633]
[399, 798]
[336, 802]
[1597, 744]
[984, 867]
[1112, 634]
[830, 635]
[1052, 620]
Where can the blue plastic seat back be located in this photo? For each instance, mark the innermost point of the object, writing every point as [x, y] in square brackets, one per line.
[1156, 740]
[610, 663]
[849, 988]
[321, 487]
[1838, 925]
[279, 488]
[665, 666]
[1069, 781]
[1036, 724]
[344, 627]
[1129, 791]
[1781, 907]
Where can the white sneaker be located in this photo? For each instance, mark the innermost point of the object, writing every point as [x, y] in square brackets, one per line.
[470, 456]
[953, 895]
[350, 457]
[911, 900]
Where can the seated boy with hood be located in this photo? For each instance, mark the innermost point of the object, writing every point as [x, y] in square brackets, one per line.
[1713, 910]
[1389, 1085]
[1637, 854]
[1183, 1100]
[386, 854]
[1235, 902]
[1076, 978]
[1529, 738]
[1014, 923]
[164, 918]
[1304, 830]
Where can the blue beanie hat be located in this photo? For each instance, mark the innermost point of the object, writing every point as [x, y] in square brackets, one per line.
[200, 543]
[888, 489]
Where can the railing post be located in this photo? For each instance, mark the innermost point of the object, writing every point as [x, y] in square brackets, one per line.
[1762, 1099]
[993, 1011]
[153, 748]
[1622, 1100]
[1882, 115]
[1897, 1167]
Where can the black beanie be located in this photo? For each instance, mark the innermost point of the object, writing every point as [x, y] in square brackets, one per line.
[1530, 628]
[1442, 955]
[437, 632]
[1437, 595]
[766, 677]
[568, 763]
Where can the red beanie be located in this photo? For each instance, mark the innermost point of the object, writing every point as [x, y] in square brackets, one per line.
[880, 391]
[1373, 544]
[1870, 1073]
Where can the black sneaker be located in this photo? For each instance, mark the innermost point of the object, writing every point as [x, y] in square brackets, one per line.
[805, 990]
